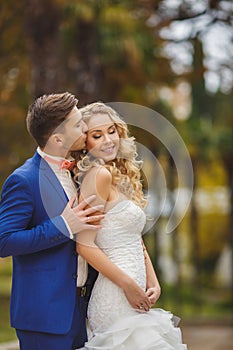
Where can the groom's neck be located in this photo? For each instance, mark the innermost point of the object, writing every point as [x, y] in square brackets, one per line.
[56, 152]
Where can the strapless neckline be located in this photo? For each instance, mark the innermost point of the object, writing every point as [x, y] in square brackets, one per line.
[119, 204]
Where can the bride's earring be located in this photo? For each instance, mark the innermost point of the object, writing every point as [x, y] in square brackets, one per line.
[84, 153]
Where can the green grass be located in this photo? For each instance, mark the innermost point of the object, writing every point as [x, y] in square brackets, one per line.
[210, 304]
[6, 332]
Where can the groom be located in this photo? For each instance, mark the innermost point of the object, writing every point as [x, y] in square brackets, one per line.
[38, 219]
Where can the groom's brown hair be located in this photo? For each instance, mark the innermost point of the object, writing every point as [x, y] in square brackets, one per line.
[46, 113]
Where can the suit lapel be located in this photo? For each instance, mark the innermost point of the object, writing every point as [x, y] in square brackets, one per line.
[48, 180]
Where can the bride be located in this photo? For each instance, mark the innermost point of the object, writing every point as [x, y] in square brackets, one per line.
[110, 170]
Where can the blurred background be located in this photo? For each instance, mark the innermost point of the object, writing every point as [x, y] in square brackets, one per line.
[173, 56]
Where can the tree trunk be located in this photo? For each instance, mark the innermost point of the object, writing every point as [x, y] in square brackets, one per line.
[194, 239]
[89, 74]
[228, 165]
[42, 31]
[175, 249]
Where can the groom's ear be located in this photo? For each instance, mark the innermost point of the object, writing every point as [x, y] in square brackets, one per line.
[57, 139]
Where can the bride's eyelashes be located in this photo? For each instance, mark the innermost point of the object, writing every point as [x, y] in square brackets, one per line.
[110, 132]
[96, 136]
[113, 130]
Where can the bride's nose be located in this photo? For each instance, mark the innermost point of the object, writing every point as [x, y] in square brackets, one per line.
[107, 138]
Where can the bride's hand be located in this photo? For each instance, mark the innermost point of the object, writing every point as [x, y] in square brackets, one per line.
[153, 293]
[136, 296]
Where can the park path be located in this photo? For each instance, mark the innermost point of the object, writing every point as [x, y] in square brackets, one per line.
[204, 337]
[208, 337]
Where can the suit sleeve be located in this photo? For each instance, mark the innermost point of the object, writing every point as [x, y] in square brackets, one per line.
[17, 234]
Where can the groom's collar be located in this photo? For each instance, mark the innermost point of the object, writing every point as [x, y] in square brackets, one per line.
[55, 162]
[56, 158]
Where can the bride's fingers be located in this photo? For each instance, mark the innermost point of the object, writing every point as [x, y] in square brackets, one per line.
[142, 308]
[144, 305]
[149, 292]
[144, 301]
[153, 294]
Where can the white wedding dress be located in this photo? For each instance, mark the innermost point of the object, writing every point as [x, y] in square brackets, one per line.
[113, 322]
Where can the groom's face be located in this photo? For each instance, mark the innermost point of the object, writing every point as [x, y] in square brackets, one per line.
[75, 131]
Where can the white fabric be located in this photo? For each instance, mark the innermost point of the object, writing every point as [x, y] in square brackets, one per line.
[82, 271]
[113, 322]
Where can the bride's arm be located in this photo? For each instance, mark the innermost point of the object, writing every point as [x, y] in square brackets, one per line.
[99, 182]
[153, 289]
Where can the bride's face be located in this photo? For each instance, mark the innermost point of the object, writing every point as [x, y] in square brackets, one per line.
[102, 137]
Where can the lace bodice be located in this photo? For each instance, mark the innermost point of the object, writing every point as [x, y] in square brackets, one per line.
[120, 239]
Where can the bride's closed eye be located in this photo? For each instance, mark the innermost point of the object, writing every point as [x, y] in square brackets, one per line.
[96, 136]
[111, 131]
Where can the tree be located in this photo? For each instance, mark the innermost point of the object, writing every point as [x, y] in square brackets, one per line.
[44, 46]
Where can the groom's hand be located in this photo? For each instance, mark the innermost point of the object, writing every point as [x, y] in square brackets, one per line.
[79, 217]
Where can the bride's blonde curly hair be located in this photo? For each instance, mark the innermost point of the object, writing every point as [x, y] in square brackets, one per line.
[125, 168]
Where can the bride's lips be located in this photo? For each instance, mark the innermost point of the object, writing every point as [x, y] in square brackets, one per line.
[109, 150]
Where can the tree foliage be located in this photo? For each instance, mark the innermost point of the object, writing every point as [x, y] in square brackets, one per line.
[118, 51]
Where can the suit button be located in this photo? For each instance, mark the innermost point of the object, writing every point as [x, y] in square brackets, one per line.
[74, 253]
[74, 276]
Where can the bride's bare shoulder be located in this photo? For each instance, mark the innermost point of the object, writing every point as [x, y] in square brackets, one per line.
[98, 180]
[99, 173]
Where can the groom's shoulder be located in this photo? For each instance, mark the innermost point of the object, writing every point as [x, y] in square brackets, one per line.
[25, 170]
[28, 164]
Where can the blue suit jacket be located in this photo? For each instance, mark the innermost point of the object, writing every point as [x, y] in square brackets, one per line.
[44, 258]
